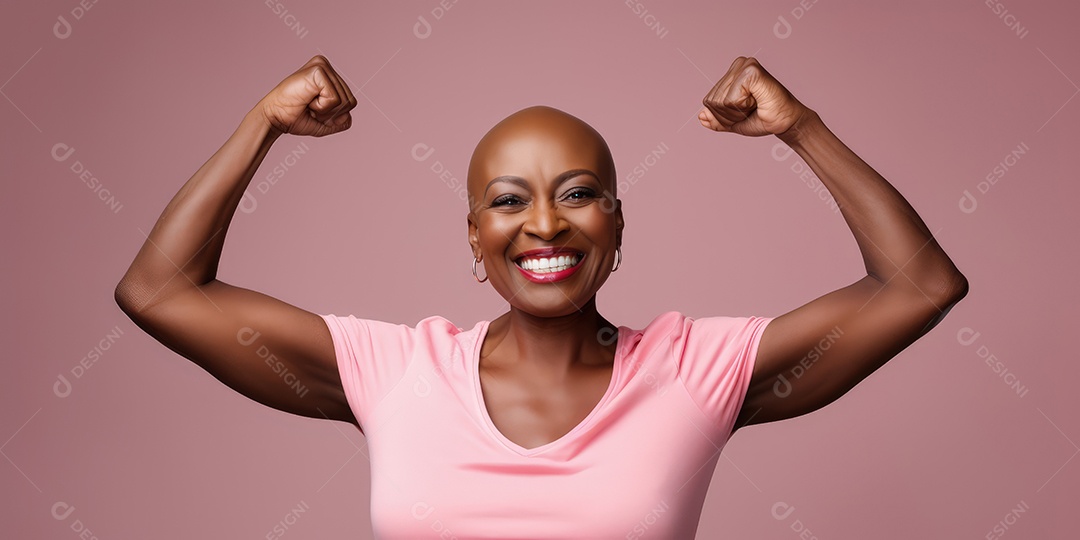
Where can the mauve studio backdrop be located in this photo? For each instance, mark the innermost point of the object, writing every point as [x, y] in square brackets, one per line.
[966, 107]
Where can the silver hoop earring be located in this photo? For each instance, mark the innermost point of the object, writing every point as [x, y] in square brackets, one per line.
[618, 260]
[474, 261]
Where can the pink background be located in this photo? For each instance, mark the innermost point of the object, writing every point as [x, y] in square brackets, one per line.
[936, 444]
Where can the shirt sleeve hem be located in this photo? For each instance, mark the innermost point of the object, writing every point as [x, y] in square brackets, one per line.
[346, 370]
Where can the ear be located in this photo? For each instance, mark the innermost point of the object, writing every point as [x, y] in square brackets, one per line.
[474, 236]
[618, 222]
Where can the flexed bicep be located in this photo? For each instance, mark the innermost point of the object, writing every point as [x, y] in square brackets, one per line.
[809, 357]
[270, 351]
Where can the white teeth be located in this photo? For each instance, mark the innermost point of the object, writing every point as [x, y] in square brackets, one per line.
[546, 265]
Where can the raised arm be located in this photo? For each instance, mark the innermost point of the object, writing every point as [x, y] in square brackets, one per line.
[272, 352]
[811, 356]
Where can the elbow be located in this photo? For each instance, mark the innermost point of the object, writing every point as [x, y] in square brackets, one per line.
[126, 297]
[122, 297]
[952, 289]
[941, 282]
[962, 289]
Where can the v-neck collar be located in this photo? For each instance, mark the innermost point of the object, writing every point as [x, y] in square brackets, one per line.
[474, 367]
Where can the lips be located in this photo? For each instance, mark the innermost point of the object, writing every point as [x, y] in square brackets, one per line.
[549, 264]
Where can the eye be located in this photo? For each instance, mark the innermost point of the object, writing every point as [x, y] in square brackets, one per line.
[505, 200]
[581, 193]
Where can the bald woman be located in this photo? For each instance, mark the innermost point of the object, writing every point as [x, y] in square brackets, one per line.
[549, 421]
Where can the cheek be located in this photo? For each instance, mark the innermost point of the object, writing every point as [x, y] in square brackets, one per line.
[494, 234]
[597, 224]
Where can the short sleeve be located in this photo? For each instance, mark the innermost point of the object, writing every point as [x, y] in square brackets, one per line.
[715, 358]
[372, 357]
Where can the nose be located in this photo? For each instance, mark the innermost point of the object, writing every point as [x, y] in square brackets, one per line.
[544, 221]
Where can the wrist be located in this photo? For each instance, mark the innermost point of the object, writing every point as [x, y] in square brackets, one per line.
[256, 120]
[807, 125]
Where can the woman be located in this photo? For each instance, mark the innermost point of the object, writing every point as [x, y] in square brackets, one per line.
[548, 421]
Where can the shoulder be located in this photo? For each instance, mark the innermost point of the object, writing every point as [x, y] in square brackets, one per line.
[437, 324]
[663, 323]
[433, 323]
[678, 331]
[677, 324]
[432, 327]
[659, 334]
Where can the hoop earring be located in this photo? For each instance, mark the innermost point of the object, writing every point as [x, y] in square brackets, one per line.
[618, 260]
[474, 261]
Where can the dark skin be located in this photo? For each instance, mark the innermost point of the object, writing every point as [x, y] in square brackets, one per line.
[542, 366]
[545, 363]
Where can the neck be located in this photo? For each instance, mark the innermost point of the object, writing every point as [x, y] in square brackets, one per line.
[580, 337]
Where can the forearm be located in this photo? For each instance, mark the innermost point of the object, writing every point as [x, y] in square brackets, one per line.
[890, 234]
[189, 235]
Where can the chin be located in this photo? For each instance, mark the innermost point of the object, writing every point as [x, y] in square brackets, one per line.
[549, 304]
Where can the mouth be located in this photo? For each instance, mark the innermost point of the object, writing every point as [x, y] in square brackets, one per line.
[548, 265]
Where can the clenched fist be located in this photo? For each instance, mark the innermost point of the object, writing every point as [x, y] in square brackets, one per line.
[312, 101]
[747, 100]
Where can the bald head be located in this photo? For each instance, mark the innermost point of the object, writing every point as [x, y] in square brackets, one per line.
[539, 143]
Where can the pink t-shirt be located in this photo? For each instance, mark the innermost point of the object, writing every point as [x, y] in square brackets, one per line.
[638, 466]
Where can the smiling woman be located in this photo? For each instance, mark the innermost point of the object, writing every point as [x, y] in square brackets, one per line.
[538, 184]
[528, 420]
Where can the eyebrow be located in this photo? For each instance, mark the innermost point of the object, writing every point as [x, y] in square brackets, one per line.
[524, 184]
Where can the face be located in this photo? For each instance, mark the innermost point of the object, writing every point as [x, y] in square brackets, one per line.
[544, 219]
